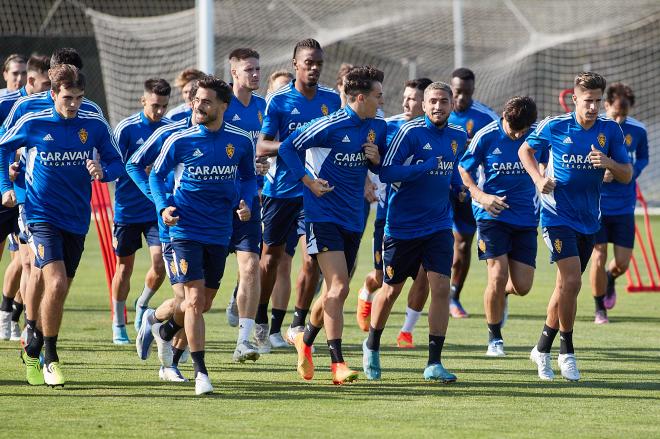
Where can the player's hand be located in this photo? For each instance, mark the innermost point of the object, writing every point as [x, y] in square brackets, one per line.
[370, 192]
[371, 152]
[545, 185]
[243, 211]
[14, 171]
[9, 198]
[608, 177]
[262, 165]
[169, 216]
[95, 170]
[319, 187]
[493, 204]
[598, 159]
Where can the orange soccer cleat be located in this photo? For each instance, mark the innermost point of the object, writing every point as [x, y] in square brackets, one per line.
[364, 310]
[405, 340]
[341, 374]
[305, 363]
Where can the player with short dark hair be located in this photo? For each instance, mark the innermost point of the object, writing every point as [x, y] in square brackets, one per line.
[135, 215]
[338, 150]
[62, 141]
[421, 167]
[504, 204]
[617, 204]
[581, 146]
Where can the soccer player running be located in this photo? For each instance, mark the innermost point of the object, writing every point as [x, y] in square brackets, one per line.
[135, 215]
[212, 156]
[288, 108]
[472, 115]
[18, 270]
[617, 204]
[581, 147]
[421, 167]
[413, 98]
[504, 205]
[14, 72]
[185, 81]
[61, 143]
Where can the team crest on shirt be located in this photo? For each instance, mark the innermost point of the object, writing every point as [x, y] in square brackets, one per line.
[454, 146]
[82, 135]
[482, 246]
[260, 117]
[377, 257]
[469, 126]
[558, 245]
[183, 264]
[40, 251]
[371, 137]
[601, 140]
[390, 271]
[628, 139]
[324, 109]
[229, 149]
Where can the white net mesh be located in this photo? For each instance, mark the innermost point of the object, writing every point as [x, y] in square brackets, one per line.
[514, 46]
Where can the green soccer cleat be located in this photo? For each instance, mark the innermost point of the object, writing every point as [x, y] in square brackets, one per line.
[53, 375]
[33, 372]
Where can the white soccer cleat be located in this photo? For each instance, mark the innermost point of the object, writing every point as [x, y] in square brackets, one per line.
[15, 331]
[245, 351]
[5, 325]
[568, 367]
[164, 347]
[291, 333]
[202, 384]
[496, 348]
[277, 341]
[261, 340]
[232, 312]
[543, 363]
[171, 374]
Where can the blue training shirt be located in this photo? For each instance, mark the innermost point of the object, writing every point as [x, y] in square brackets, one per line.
[6, 104]
[206, 165]
[495, 155]
[181, 111]
[618, 198]
[418, 202]
[333, 151]
[575, 201]
[59, 186]
[131, 205]
[286, 110]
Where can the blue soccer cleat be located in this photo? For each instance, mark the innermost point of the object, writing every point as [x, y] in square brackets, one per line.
[119, 334]
[145, 338]
[437, 372]
[370, 362]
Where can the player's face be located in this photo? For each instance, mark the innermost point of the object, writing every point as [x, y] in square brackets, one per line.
[619, 108]
[207, 107]
[412, 103]
[308, 65]
[437, 106]
[587, 103]
[38, 81]
[185, 92]
[278, 83]
[373, 100]
[463, 91]
[67, 101]
[155, 106]
[247, 73]
[15, 75]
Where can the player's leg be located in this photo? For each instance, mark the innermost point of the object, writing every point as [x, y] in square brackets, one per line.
[374, 280]
[598, 278]
[419, 292]
[280, 302]
[127, 240]
[464, 229]
[522, 248]
[438, 321]
[623, 237]
[155, 275]
[10, 286]
[248, 300]
[494, 300]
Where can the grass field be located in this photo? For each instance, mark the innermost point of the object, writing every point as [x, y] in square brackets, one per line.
[110, 393]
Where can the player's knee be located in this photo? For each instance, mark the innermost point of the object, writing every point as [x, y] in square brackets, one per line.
[522, 288]
[158, 265]
[195, 303]
[497, 282]
[249, 267]
[599, 256]
[338, 292]
[622, 264]
[309, 265]
[571, 285]
[269, 262]
[124, 270]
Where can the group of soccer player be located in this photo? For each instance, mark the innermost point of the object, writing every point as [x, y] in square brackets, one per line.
[228, 171]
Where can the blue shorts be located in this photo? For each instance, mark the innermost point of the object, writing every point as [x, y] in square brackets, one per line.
[328, 237]
[377, 246]
[464, 222]
[195, 261]
[280, 216]
[565, 242]
[294, 237]
[170, 264]
[617, 229]
[246, 235]
[51, 244]
[8, 223]
[497, 238]
[402, 257]
[13, 242]
[24, 232]
[128, 237]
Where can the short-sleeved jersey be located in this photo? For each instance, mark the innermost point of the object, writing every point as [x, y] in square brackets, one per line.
[131, 205]
[181, 111]
[58, 183]
[206, 164]
[249, 118]
[418, 202]
[494, 155]
[6, 104]
[618, 198]
[286, 110]
[575, 201]
[333, 151]
[474, 118]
